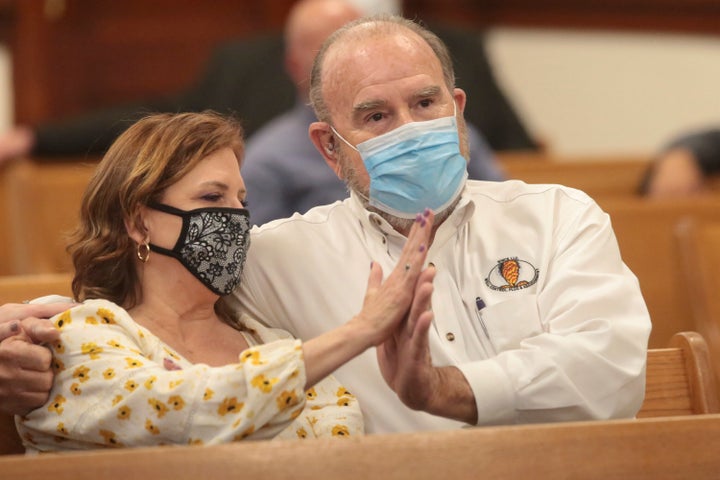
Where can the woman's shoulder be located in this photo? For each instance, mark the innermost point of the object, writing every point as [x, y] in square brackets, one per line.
[262, 332]
[95, 312]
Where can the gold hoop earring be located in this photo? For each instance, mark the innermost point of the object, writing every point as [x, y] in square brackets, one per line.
[143, 252]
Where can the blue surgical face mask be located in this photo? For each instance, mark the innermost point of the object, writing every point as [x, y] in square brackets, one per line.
[413, 167]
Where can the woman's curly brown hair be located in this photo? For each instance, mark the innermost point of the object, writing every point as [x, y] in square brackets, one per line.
[146, 159]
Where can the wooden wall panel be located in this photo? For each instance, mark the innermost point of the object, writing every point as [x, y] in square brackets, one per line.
[696, 16]
[83, 54]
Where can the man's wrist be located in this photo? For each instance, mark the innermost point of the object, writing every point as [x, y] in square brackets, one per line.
[452, 396]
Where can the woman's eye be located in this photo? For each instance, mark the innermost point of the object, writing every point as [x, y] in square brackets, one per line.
[212, 197]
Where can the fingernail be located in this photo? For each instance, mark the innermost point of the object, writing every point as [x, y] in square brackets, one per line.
[423, 222]
[426, 213]
[371, 264]
[418, 218]
[422, 248]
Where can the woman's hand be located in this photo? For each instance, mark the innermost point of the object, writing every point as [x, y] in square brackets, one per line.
[387, 303]
[385, 306]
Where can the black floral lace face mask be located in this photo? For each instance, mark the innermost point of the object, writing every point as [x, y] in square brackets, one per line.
[212, 244]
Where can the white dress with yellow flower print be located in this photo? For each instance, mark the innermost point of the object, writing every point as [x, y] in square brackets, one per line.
[117, 384]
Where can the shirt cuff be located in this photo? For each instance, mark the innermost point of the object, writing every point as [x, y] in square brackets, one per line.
[494, 396]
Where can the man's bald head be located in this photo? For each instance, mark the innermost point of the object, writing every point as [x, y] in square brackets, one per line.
[309, 23]
[355, 33]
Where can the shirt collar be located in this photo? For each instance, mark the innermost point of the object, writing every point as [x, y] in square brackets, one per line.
[460, 216]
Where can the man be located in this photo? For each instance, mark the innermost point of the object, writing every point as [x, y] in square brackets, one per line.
[281, 164]
[536, 318]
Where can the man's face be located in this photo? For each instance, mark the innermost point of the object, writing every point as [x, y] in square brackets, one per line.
[376, 87]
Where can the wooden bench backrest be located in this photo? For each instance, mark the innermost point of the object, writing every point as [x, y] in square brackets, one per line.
[43, 201]
[5, 253]
[699, 246]
[680, 379]
[645, 230]
[18, 288]
[617, 176]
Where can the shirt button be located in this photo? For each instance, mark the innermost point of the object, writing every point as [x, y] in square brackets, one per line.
[450, 336]
[384, 240]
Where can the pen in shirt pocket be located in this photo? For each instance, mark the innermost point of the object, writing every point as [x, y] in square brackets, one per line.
[479, 305]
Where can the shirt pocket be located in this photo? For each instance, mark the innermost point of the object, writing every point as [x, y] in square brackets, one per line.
[512, 321]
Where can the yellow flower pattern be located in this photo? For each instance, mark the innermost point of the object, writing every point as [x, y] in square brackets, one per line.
[208, 395]
[264, 384]
[159, 407]
[75, 389]
[286, 399]
[252, 356]
[176, 402]
[56, 405]
[230, 405]
[142, 392]
[82, 373]
[110, 439]
[57, 365]
[63, 320]
[92, 350]
[124, 413]
[106, 316]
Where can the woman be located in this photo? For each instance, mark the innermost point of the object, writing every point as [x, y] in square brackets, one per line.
[152, 355]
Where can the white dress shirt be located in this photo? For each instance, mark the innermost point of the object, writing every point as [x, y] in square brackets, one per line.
[532, 302]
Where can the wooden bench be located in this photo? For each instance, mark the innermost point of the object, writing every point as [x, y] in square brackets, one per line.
[680, 379]
[18, 288]
[699, 247]
[5, 254]
[679, 383]
[42, 202]
[599, 177]
[657, 448]
[645, 231]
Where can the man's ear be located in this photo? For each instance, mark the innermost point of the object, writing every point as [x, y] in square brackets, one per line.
[460, 99]
[324, 141]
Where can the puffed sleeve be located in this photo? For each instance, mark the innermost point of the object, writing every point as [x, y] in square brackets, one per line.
[331, 411]
[112, 390]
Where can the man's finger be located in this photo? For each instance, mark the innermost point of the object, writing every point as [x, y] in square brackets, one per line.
[8, 329]
[26, 401]
[47, 310]
[26, 355]
[40, 330]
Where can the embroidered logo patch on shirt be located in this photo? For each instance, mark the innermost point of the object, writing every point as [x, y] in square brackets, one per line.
[512, 274]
